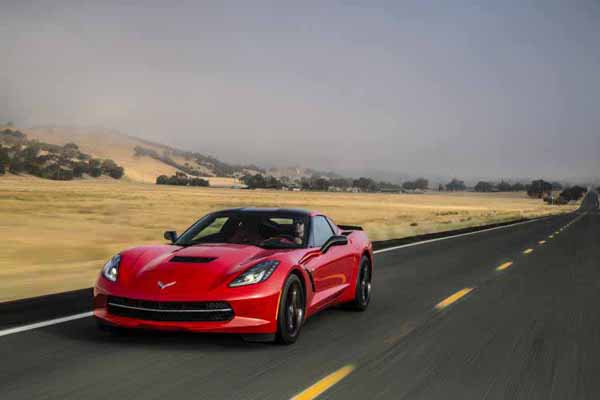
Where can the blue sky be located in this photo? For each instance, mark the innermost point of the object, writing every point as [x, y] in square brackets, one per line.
[503, 89]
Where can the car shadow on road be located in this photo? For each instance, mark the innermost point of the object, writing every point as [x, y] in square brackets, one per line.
[86, 331]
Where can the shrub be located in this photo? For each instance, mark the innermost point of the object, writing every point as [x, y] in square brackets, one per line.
[573, 193]
[4, 160]
[456, 186]
[80, 168]
[17, 165]
[95, 172]
[198, 182]
[116, 173]
[180, 179]
[538, 189]
[484, 186]
[504, 186]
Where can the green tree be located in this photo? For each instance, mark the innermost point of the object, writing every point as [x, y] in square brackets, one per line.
[456, 185]
[539, 188]
[116, 173]
[70, 150]
[366, 184]
[341, 183]
[162, 180]
[4, 160]
[95, 167]
[199, 182]
[573, 193]
[484, 186]
[409, 185]
[422, 184]
[504, 186]
[80, 168]
[272, 183]
[256, 181]
[31, 151]
[518, 187]
[17, 165]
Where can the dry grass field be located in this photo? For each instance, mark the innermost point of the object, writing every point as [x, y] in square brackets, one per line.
[55, 236]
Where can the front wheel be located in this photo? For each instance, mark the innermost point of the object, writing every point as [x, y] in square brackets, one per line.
[362, 295]
[291, 311]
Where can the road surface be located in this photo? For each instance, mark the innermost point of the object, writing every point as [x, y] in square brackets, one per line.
[512, 313]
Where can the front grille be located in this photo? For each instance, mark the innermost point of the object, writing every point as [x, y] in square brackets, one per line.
[170, 310]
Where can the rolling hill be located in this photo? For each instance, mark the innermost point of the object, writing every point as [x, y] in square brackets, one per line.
[143, 160]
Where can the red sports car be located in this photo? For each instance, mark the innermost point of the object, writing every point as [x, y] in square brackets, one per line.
[251, 271]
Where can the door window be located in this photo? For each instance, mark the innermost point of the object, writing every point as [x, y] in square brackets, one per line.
[321, 231]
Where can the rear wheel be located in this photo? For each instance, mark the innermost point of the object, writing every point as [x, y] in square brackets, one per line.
[291, 311]
[362, 295]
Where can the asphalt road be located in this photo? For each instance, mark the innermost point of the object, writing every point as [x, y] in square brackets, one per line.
[528, 331]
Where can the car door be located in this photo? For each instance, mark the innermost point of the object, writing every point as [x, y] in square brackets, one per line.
[329, 270]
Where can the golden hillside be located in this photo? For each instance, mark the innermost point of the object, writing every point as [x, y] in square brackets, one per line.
[105, 143]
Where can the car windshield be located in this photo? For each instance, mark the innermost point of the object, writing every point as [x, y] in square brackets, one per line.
[257, 228]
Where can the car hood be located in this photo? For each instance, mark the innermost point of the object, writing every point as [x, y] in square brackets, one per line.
[189, 271]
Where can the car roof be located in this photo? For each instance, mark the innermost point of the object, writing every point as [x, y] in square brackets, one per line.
[282, 211]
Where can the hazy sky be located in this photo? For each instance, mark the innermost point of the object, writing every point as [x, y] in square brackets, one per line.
[435, 88]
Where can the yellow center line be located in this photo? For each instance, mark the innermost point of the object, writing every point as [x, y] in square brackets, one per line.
[541, 242]
[504, 266]
[528, 251]
[321, 386]
[452, 299]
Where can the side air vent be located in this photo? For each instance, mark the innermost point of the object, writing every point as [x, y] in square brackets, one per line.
[197, 260]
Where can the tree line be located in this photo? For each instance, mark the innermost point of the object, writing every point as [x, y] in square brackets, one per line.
[181, 179]
[317, 183]
[218, 167]
[19, 155]
[537, 188]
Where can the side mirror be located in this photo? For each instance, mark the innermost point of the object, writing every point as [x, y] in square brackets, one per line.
[335, 240]
[171, 236]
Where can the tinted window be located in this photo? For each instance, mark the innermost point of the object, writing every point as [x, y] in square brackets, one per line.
[321, 231]
[258, 228]
[213, 228]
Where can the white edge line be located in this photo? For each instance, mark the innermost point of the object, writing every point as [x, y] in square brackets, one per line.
[456, 236]
[56, 321]
[37, 325]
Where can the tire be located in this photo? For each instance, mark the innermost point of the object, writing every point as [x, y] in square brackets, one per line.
[292, 308]
[362, 295]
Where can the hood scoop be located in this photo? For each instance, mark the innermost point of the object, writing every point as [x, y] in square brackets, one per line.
[190, 259]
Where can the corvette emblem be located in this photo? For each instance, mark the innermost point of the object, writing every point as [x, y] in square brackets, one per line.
[165, 285]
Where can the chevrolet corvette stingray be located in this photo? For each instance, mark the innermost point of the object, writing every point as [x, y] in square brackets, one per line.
[252, 271]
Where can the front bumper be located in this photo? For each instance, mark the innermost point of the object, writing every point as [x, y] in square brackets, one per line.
[251, 315]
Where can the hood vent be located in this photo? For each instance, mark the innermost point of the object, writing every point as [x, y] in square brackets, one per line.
[196, 260]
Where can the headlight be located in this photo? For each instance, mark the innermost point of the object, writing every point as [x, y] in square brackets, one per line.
[111, 268]
[260, 272]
